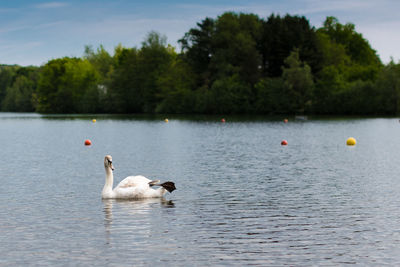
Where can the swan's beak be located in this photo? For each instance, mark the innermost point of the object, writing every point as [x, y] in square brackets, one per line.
[108, 162]
[110, 165]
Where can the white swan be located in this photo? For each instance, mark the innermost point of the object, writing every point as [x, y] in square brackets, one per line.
[132, 187]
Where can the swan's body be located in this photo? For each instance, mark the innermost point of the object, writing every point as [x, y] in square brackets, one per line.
[132, 187]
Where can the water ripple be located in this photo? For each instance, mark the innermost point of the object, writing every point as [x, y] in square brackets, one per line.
[242, 199]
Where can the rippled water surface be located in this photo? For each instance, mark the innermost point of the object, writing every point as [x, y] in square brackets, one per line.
[241, 199]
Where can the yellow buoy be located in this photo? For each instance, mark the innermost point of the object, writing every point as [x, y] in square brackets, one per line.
[94, 120]
[351, 141]
[166, 120]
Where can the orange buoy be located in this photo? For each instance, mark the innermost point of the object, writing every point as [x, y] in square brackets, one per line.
[88, 142]
[285, 120]
[284, 143]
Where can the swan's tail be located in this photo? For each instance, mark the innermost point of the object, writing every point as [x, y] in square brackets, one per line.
[169, 186]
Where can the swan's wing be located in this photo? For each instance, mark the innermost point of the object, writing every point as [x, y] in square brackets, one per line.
[154, 182]
[135, 187]
[134, 181]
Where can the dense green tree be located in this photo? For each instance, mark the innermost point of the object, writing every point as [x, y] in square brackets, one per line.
[19, 95]
[135, 86]
[363, 98]
[230, 95]
[198, 49]
[328, 87]
[104, 64]
[235, 47]
[101, 60]
[283, 34]
[155, 58]
[124, 94]
[224, 47]
[298, 83]
[221, 52]
[356, 46]
[20, 86]
[68, 85]
[270, 96]
[332, 53]
[7, 77]
[362, 62]
[176, 87]
[388, 84]
[349, 68]
[335, 95]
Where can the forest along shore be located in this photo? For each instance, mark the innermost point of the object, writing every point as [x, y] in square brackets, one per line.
[236, 63]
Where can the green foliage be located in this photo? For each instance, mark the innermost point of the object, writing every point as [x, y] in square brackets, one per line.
[290, 93]
[328, 87]
[20, 87]
[235, 47]
[7, 77]
[124, 94]
[343, 47]
[281, 35]
[135, 83]
[230, 95]
[298, 82]
[356, 46]
[271, 97]
[388, 84]
[154, 59]
[19, 95]
[67, 85]
[198, 48]
[176, 85]
[101, 60]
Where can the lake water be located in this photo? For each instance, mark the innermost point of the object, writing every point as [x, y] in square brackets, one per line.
[241, 199]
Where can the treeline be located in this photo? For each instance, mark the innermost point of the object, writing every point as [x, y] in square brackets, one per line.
[235, 63]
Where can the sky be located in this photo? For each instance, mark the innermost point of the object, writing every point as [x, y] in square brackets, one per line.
[34, 32]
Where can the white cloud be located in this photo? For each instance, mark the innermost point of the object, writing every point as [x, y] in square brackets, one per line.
[13, 28]
[51, 5]
[333, 6]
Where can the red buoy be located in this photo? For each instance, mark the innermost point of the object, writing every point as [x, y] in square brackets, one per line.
[88, 142]
[285, 120]
[222, 120]
[284, 143]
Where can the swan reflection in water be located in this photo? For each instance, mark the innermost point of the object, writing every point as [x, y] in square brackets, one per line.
[129, 210]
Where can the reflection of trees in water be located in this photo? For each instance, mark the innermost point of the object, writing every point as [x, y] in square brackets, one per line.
[129, 207]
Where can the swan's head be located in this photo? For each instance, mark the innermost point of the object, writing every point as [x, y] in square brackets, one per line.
[108, 162]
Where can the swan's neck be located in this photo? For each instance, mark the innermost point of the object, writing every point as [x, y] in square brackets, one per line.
[108, 186]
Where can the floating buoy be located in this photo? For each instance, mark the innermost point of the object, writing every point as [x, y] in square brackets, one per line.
[166, 120]
[284, 143]
[351, 141]
[88, 142]
[94, 120]
[285, 120]
[222, 120]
